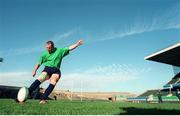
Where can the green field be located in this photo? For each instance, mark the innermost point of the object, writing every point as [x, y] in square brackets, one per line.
[65, 107]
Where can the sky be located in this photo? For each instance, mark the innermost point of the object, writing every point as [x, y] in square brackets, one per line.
[117, 35]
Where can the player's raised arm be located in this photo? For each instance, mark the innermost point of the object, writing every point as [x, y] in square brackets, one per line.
[72, 47]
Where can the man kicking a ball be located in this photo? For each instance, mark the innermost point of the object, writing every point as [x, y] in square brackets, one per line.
[51, 59]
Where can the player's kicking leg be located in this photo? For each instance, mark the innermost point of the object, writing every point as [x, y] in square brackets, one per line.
[43, 76]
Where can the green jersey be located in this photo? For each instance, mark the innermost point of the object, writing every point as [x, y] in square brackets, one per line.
[54, 58]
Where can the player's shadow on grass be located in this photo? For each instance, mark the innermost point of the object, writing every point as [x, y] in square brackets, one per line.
[150, 111]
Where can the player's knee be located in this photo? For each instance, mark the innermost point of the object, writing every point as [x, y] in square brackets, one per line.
[54, 81]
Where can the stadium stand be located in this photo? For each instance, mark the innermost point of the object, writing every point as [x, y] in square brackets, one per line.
[152, 96]
[148, 93]
[175, 79]
[174, 83]
[11, 92]
[8, 91]
[170, 91]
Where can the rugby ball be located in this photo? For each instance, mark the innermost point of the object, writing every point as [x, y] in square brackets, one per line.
[22, 94]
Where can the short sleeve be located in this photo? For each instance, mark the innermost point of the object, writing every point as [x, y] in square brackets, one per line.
[65, 51]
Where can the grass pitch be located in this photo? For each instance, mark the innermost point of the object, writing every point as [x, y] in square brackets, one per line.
[66, 107]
